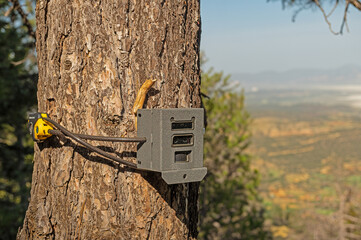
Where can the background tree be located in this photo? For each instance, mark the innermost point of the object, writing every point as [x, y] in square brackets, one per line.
[320, 5]
[230, 207]
[17, 95]
[92, 58]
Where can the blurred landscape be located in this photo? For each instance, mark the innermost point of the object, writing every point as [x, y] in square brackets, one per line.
[306, 144]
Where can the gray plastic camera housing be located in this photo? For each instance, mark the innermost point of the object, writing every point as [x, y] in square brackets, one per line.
[174, 145]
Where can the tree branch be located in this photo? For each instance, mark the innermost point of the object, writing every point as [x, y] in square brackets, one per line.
[325, 16]
[304, 4]
[333, 9]
[344, 21]
[24, 18]
[7, 13]
[355, 3]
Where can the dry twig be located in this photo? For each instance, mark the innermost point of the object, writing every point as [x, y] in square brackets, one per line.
[325, 16]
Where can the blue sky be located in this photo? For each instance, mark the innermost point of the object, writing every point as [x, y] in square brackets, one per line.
[254, 36]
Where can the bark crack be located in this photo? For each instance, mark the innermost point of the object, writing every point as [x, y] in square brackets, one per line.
[80, 220]
[45, 23]
[163, 42]
[185, 16]
[101, 12]
[152, 218]
[115, 185]
[81, 78]
[71, 170]
[63, 36]
[162, 3]
[178, 86]
[52, 226]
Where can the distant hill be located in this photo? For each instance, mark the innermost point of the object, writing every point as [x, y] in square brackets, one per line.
[349, 75]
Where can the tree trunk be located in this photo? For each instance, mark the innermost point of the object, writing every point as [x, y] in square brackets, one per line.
[93, 56]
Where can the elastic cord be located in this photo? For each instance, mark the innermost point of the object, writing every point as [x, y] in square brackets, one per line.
[102, 138]
[110, 139]
[89, 146]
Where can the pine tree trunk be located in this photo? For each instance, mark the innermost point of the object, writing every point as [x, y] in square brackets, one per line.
[93, 56]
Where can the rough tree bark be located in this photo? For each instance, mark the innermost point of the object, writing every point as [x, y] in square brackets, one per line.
[93, 56]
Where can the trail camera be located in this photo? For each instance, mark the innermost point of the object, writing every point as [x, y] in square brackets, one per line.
[174, 143]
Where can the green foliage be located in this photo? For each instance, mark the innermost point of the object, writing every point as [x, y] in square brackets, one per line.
[229, 203]
[17, 96]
